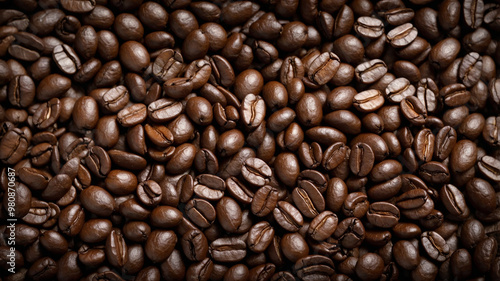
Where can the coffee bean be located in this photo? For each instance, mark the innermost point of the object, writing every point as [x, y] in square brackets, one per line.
[402, 35]
[473, 13]
[66, 59]
[435, 246]
[323, 225]
[369, 27]
[78, 6]
[370, 71]
[228, 249]
[288, 216]
[368, 101]
[260, 236]
[264, 201]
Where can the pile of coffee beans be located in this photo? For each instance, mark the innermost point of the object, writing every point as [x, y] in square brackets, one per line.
[260, 140]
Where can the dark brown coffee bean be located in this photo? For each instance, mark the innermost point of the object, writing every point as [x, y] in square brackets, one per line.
[21, 91]
[167, 65]
[463, 156]
[264, 201]
[209, 187]
[335, 155]
[406, 254]
[66, 59]
[473, 13]
[361, 159]
[308, 200]
[369, 27]
[78, 6]
[195, 245]
[423, 145]
[310, 155]
[399, 89]
[415, 203]
[435, 246]
[350, 232]
[413, 110]
[228, 249]
[402, 35]
[260, 236]
[481, 195]
[383, 214]
[370, 71]
[164, 110]
[253, 111]
[323, 226]
[288, 216]
[490, 167]
[200, 212]
[160, 245]
[445, 141]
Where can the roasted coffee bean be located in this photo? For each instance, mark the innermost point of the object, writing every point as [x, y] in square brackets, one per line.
[350, 232]
[309, 111]
[288, 216]
[399, 89]
[368, 101]
[383, 214]
[445, 142]
[149, 193]
[78, 6]
[238, 190]
[195, 245]
[256, 171]
[310, 155]
[369, 27]
[440, 59]
[406, 254]
[21, 91]
[14, 145]
[454, 201]
[209, 187]
[167, 65]
[435, 246]
[253, 110]
[402, 35]
[473, 13]
[334, 156]
[323, 226]
[66, 59]
[97, 200]
[200, 212]
[455, 94]
[260, 236]
[370, 71]
[47, 114]
[415, 203]
[490, 167]
[361, 159]
[344, 120]
[264, 201]
[481, 195]
[413, 110]
[228, 249]
[323, 68]
[164, 110]
[308, 200]
[463, 156]
[423, 145]
[160, 244]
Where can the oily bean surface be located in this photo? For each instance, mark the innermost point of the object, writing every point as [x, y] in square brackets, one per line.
[250, 140]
